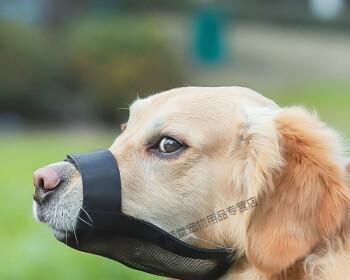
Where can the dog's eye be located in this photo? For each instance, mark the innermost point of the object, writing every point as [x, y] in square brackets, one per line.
[168, 145]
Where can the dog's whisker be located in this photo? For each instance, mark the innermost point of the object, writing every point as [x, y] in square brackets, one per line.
[87, 214]
[81, 219]
[212, 243]
[75, 235]
[66, 232]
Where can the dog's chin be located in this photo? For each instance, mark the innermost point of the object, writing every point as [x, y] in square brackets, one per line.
[61, 235]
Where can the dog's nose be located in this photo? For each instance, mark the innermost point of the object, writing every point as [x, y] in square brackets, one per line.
[45, 180]
[46, 177]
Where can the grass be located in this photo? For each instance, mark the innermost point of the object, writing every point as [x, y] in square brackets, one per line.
[28, 250]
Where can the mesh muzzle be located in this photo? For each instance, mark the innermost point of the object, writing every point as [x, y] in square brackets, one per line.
[134, 242]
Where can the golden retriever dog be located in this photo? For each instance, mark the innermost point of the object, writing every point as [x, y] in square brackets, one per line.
[188, 152]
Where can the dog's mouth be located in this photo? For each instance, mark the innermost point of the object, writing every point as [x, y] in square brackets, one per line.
[46, 214]
[61, 223]
[45, 198]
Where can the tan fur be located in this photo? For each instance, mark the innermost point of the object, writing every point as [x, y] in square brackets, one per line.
[310, 199]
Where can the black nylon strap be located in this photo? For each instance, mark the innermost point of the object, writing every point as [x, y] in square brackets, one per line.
[101, 180]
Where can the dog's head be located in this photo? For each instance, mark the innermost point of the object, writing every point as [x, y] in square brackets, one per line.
[194, 153]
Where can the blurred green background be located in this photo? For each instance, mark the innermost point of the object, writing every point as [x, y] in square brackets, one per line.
[69, 68]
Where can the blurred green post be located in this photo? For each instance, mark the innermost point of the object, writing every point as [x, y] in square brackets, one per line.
[208, 34]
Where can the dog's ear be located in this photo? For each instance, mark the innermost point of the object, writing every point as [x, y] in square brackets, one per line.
[308, 198]
[256, 153]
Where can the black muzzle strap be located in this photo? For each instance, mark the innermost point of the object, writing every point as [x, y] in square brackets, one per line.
[101, 182]
[131, 241]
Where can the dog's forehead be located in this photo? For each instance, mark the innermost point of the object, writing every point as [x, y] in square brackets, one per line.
[198, 102]
[168, 103]
[174, 108]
